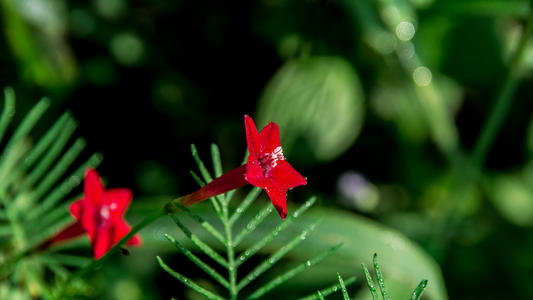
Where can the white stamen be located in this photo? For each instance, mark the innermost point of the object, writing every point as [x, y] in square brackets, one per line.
[104, 212]
[276, 155]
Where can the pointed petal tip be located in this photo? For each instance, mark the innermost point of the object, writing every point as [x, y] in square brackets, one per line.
[90, 171]
[282, 211]
[135, 241]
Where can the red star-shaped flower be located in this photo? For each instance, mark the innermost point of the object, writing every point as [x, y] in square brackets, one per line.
[100, 212]
[267, 168]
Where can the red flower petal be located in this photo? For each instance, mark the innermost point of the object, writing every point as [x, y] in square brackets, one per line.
[121, 229]
[75, 209]
[100, 213]
[252, 137]
[102, 241]
[93, 188]
[278, 197]
[118, 201]
[269, 138]
[286, 176]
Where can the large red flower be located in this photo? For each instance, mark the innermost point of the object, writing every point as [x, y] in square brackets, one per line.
[266, 166]
[100, 213]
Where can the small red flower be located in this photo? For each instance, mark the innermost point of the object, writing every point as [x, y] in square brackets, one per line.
[266, 166]
[100, 213]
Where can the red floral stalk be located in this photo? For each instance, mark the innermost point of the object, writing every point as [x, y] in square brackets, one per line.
[100, 214]
[266, 168]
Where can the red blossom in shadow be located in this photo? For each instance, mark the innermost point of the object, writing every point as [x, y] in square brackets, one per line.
[100, 214]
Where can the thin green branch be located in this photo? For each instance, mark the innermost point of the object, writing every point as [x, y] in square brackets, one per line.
[65, 259]
[188, 282]
[291, 273]
[52, 154]
[370, 283]
[214, 201]
[504, 98]
[245, 203]
[417, 293]
[230, 194]
[343, 287]
[254, 222]
[381, 281]
[200, 244]
[59, 169]
[201, 166]
[206, 225]
[217, 164]
[8, 112]
[197, 178]
[269, 237]
[60, 191]
[197, 261]
[203, 170]
[28, 122]
[274, 258]
[230, 250]
[48, 138]
[320, 296]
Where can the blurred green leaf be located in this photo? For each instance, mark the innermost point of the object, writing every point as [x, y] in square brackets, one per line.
[318, 101]
[437, 199]
[36, 34]
[491, 8]
[404, 262]
[512, 196]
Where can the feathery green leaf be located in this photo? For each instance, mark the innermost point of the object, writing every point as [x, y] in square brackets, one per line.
[202, 265]
[200, 244]
[329, 290]
[370, 283]
[188, 282]
[417, 293]
[291, 273]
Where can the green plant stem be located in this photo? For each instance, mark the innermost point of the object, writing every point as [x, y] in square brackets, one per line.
[232, 268]
[470, 168]
[503, 100]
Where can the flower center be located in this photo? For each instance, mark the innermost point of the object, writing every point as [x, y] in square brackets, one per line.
[270, 160]
[105, 214]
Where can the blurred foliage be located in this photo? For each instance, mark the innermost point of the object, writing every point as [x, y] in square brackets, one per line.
[320, 102]
[380, 103]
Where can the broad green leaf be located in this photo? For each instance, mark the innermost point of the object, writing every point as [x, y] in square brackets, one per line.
[318, 102]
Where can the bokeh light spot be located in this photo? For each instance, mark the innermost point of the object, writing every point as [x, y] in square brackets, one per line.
[384, 42]
[405, 31]
[127, 48]
[110, 8]
[422, 76]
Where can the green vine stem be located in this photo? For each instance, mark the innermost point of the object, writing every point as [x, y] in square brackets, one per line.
[503, 100]
[468, 169]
